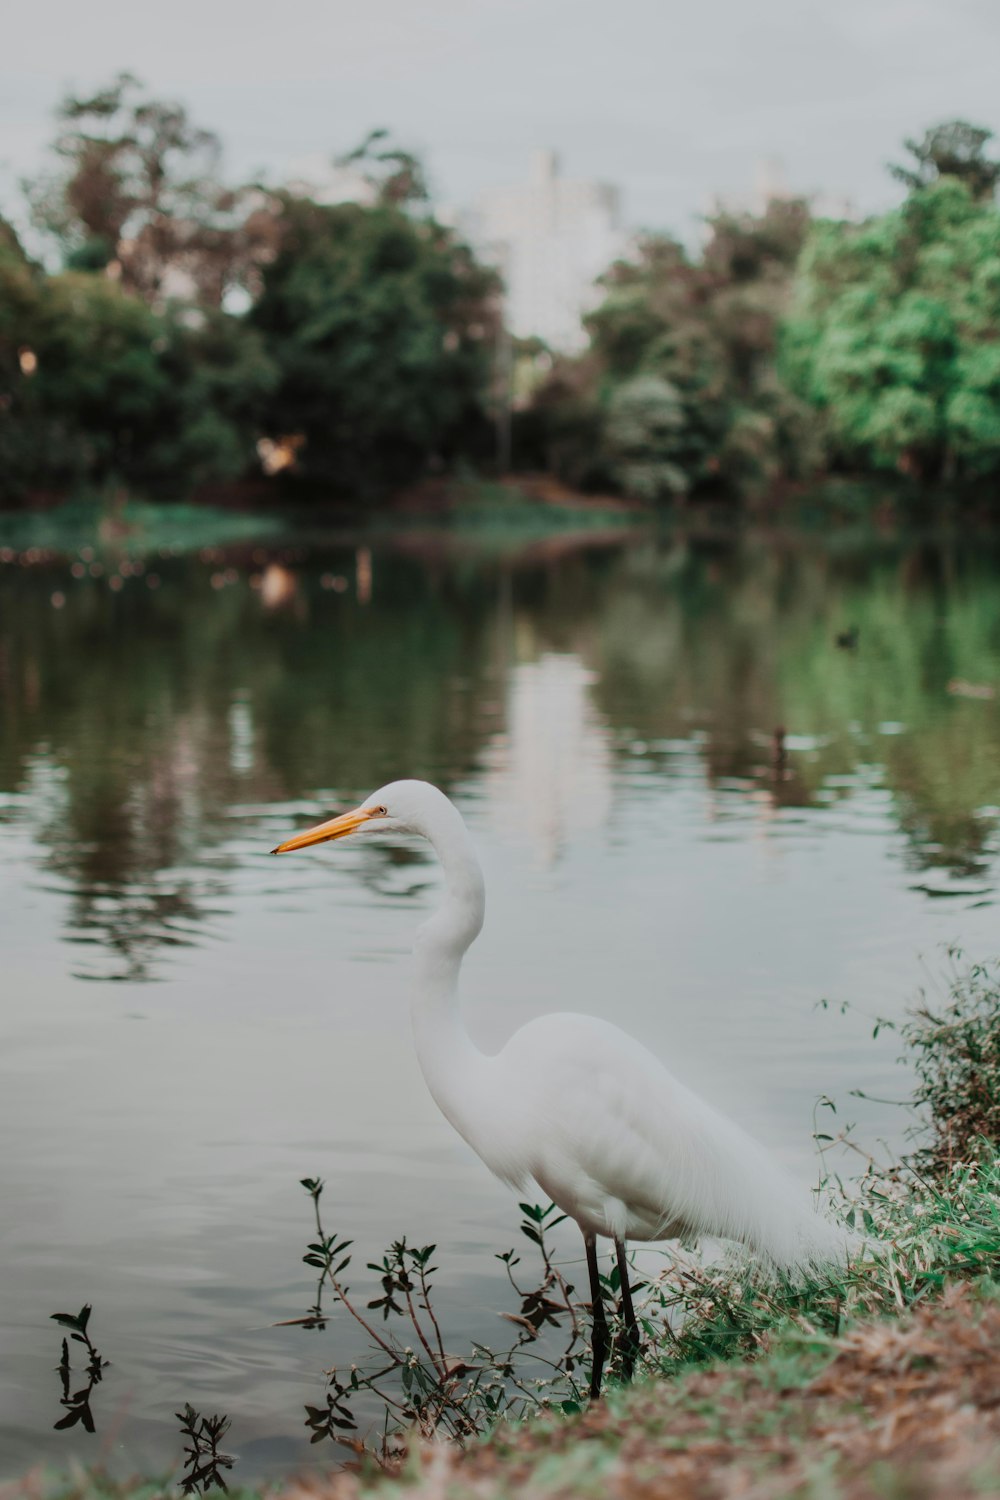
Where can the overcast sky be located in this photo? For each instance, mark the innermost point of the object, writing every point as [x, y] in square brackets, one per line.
[671, 101]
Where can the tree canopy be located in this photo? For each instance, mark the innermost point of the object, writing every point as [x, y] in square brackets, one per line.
[395, 175]
[381, 329]
[137, 191]
[367, 338]
[678, 390]
[368, 331]
[895, 334]
[954, 149]
[96, 386]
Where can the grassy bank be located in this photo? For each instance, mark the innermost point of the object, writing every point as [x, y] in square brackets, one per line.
[903, 1408]
[132, 526]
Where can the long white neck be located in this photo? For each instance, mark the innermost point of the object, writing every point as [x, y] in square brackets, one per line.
[454, 1068]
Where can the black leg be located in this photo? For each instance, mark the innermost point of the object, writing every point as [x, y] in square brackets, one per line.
[600, 1338]
[629, 1344]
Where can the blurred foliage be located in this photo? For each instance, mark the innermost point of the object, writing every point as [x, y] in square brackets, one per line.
[678, 391]
[381, 327]
[137, 192]
[365, 340]
[395, 176]
[95, 386]
[786, 345]
[123, 369]
[893, 337]
[954, 1043]
[737, 638]
[954, 149]
[20, 298]
[202, 332]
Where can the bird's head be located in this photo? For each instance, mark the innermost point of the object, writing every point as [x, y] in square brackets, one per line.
[399, 807]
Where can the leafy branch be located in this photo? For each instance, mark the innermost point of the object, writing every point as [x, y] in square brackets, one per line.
[418, 1382]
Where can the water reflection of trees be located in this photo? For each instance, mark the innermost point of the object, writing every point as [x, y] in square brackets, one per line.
[153, 712]
[134, 721]
[737, 641]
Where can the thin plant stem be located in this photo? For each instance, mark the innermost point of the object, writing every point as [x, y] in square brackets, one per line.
[386, 1348]
[441, 1369]
[432, 1315]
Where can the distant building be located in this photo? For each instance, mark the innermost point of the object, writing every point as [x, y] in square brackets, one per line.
[550, 237]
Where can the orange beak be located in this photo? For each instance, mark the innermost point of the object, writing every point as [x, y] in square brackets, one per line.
[336, 828]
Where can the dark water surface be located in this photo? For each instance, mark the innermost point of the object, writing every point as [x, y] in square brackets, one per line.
[189, 1027]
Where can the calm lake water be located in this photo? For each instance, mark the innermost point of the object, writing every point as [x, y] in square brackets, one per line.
[189, 1027]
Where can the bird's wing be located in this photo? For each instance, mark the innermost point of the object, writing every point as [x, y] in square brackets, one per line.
[616, 1134]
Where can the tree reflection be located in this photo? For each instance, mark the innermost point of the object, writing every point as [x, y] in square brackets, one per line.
[741, 641]
[135, 719]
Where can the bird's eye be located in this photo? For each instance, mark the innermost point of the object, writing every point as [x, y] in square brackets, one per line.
[381, 812]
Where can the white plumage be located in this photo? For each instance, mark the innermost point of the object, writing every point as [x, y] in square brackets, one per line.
[613, 1138]
[630, 1152]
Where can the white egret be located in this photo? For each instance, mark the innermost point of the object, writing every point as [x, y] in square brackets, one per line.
[606, 1132]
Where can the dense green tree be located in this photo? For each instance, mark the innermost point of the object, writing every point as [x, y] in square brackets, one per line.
[644, 436]
[223, 380]
[371, 333]
[954, 149]
[22, 286]
[95, 386]
[678, 390]
[893, 337]
[382, 330]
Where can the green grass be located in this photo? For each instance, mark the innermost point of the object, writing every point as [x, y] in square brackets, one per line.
[136, 528]
[483, 500]
[954, 1045]
[930, 1221]
[925, 1235]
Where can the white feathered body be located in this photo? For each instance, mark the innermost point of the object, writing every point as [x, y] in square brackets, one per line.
[608, 1133]
[629, 1152]
[601, 1126]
